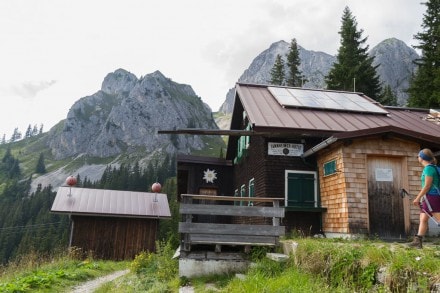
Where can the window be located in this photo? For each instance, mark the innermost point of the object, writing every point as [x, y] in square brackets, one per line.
[251, 191]
[301, 189]
[242, 193]
[236, 202]
[329, 167]
[242, 146]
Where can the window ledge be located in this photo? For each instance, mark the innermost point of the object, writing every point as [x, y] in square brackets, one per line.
[305, 209]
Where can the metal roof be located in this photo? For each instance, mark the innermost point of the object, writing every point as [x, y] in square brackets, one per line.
[265, 113]
[112, 203]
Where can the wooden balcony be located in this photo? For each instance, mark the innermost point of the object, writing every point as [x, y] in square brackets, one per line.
[231, 234]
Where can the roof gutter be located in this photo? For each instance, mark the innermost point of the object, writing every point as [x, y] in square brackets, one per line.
[319, 146]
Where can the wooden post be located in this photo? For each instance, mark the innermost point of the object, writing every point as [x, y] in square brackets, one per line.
[188, 219]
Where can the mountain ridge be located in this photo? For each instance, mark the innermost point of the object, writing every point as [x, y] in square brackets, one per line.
[119, 124]
[393, 58]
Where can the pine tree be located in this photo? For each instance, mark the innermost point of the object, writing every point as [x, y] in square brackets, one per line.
[16, 135]
[277, 72]
[3, 139]
[293, 63]
[41, 129]
[41, 167]
[28, 132]
[424, 90]
[387, 97]
[353, 69]
[7, 156]
[34, 130]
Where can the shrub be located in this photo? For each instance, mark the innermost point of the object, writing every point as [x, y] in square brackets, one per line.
[160, 264]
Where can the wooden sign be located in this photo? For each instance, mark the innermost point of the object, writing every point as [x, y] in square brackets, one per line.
[285, 149]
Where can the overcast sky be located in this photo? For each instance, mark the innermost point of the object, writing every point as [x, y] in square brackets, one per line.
[54, 52]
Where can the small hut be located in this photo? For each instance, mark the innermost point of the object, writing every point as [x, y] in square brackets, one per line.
[112, 224]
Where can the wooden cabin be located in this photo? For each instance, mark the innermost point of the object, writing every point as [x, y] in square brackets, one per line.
[338, 159]
[112, 224]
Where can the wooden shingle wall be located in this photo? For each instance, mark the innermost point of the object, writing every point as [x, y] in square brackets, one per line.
[345, 194]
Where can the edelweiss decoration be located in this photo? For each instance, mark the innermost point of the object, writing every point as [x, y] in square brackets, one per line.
[209, 176]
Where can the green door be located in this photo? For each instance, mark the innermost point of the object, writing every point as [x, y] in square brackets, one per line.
[301, 189]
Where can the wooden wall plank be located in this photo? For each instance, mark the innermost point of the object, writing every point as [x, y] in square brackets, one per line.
[233, 229]
[232, 239]
[230, 210]
[114, 238]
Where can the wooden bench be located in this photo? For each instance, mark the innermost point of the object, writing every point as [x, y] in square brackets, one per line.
[229, 234]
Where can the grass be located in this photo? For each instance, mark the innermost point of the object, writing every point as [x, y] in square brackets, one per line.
[33, 273]
[149, 272]
[326, 265]
[318, 265]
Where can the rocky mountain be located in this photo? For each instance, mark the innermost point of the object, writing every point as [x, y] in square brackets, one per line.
[393, 57]
[395, 62]
[123, 119]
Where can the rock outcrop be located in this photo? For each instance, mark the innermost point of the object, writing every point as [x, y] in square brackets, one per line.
[127, 113]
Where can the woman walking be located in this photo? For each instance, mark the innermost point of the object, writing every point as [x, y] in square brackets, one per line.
[428, 199]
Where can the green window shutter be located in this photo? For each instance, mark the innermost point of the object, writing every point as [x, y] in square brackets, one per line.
[242, 145]
[301, 189]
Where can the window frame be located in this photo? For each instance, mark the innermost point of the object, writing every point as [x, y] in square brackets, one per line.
[334, 169]
[242, 193]
[251, 191]
[243, 143]
[286, 185]
[236, 202]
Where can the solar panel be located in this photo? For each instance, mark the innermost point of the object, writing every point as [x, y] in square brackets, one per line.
[328, 100]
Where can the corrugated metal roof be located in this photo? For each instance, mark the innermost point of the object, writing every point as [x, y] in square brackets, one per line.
[265, 112]
[113, 203]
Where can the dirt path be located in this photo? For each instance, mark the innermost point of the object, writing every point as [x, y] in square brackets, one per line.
[90, 286]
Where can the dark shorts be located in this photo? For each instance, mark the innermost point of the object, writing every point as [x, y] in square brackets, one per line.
[434, 202]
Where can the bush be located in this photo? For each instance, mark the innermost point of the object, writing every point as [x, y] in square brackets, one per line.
[161, 264]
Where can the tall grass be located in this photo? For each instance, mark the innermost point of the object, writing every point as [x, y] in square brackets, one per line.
[34, 272]
[150, 272]
[318, 265]
[338, 266]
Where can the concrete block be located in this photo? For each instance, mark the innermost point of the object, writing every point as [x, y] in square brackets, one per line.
[278, 257]
[289, 246]
[196, 268]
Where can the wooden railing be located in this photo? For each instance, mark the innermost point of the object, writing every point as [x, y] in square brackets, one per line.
[229, 234]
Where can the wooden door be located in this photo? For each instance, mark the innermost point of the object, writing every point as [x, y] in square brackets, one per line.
[385, 206]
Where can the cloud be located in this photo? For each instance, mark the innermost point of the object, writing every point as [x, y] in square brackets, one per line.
[29, 90]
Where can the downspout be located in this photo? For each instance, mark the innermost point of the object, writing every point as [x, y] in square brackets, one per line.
[319, 147]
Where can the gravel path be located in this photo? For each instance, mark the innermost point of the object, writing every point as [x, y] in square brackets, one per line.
[90, 286]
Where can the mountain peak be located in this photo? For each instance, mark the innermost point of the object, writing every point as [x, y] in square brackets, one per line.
[118, 81]
[158, 74]
[126, 114]
[395, 66]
